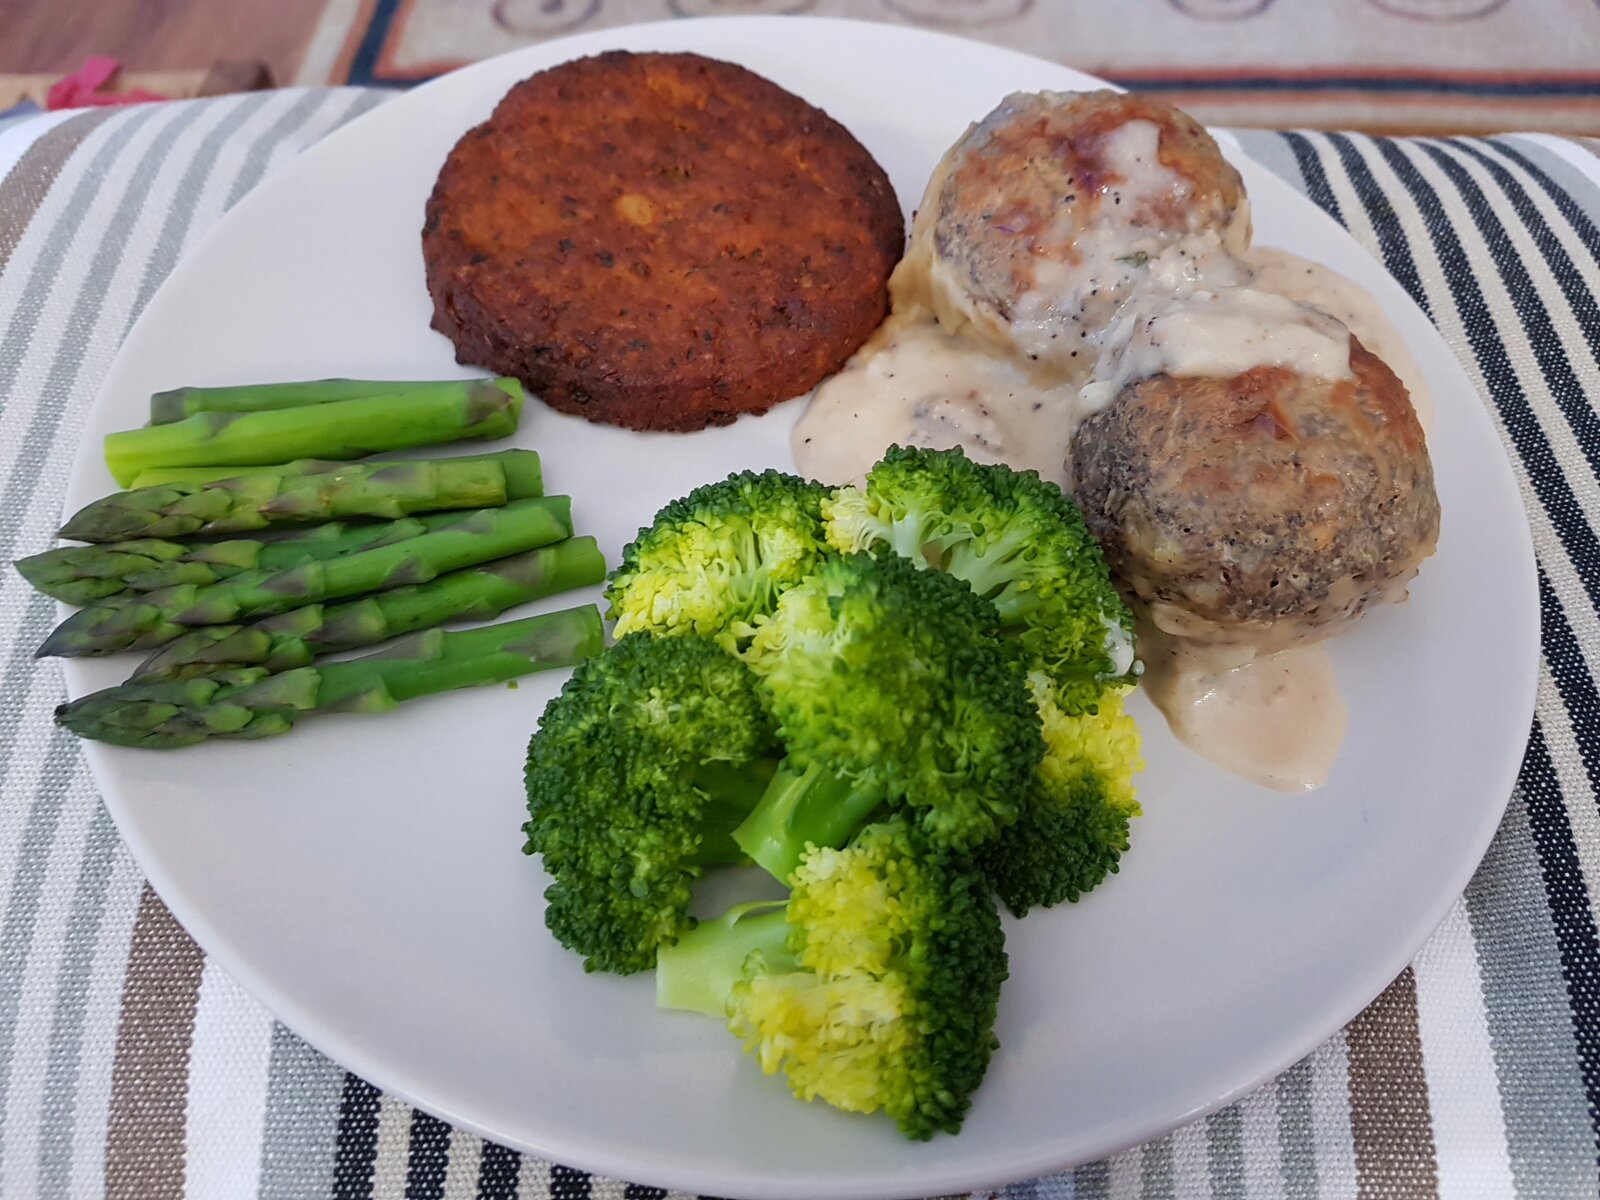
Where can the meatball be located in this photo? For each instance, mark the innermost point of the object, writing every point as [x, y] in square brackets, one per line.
[1048, 213]
[1264, 509]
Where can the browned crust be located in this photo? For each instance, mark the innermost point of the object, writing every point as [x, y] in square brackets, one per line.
[1037, 156]
[1264, 497]
[659, 241]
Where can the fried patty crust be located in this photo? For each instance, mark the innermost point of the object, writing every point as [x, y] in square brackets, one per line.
[1270, 507]
[659, 241]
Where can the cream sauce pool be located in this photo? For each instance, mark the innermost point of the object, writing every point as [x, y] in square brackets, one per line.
[1276, 719]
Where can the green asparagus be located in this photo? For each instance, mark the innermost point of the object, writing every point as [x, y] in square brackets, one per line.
[522, 470]
[84, 574]
[253, 703]
[451, 411]
[157, 476]
[156, 618]
[292, 639]
[175, 405]
[309, 491]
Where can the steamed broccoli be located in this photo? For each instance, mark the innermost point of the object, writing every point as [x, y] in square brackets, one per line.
[1073, 827]
[652, 753]
[888, 689]
[716, 559]
[875, 987]
[1017, 540]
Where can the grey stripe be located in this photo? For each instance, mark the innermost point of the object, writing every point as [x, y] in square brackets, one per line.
[302, 1120]
[1225, 1153]
[175, 229]
[19, 332]
[38, 452]
[1548, 1132]
[22, 910]
[1092, 1181]
[1028, 1189]
[23, 489]
[59, 1108]
[1582, 188]
[1272, 152]
[24, 187]
[1156, 1178]
[1297, 1139]
[365, 103]
[260, 152]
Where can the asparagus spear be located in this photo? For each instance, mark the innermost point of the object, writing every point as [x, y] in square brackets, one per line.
[292, 639]
[175, 405]
[521, 466]
[254, 703]
[309, 491]
[451, 411]
[158, 617]
[84, 574]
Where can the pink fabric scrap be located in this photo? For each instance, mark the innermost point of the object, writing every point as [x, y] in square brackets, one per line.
[82, 88]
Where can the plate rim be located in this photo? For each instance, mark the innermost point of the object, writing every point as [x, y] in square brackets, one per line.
[613, 1159]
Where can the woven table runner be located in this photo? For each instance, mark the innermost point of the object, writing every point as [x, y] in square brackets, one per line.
[132, 1067]
[1456, 66]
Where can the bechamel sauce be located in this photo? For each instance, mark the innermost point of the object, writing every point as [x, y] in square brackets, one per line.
[1203, 305]
[1277, 721]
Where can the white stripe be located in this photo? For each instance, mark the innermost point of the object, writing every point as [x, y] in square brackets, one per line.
[1333, 1139]
[1124, 1173]
[30, 1055]
[1580, 157]
[97, 1051]
[39, 518]
[1559, 568]
[1469, 1131]
[61, 299]
[533, 1177]
[328, 40]
[1584, 260]
[229, 162]
[14, 593]
[1350, 206]
[229, 1062]
[466, 1156]
[1191, 1160]
[326, 117]
[1574, 464]
[1258, 1136]
[15, 141]
[394, 1149]
[1563, 575]
[1558, 565]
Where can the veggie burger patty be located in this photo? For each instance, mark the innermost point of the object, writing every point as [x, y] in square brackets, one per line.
[659, 241]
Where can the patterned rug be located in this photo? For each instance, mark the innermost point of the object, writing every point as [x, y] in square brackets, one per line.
[1386, 65]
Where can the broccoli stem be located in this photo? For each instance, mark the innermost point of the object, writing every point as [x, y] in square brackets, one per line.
[732, 792]
[697, 974]
[803, 806]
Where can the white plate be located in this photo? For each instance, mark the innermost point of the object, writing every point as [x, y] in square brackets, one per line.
[364, 877]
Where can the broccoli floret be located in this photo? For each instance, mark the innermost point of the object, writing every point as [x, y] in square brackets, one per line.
[875, 987]
[1073, 828]
[888, 689]
[717, 558]
[1017, 540]
[641, 768]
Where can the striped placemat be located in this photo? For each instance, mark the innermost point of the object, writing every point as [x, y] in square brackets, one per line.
[132, 1067]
